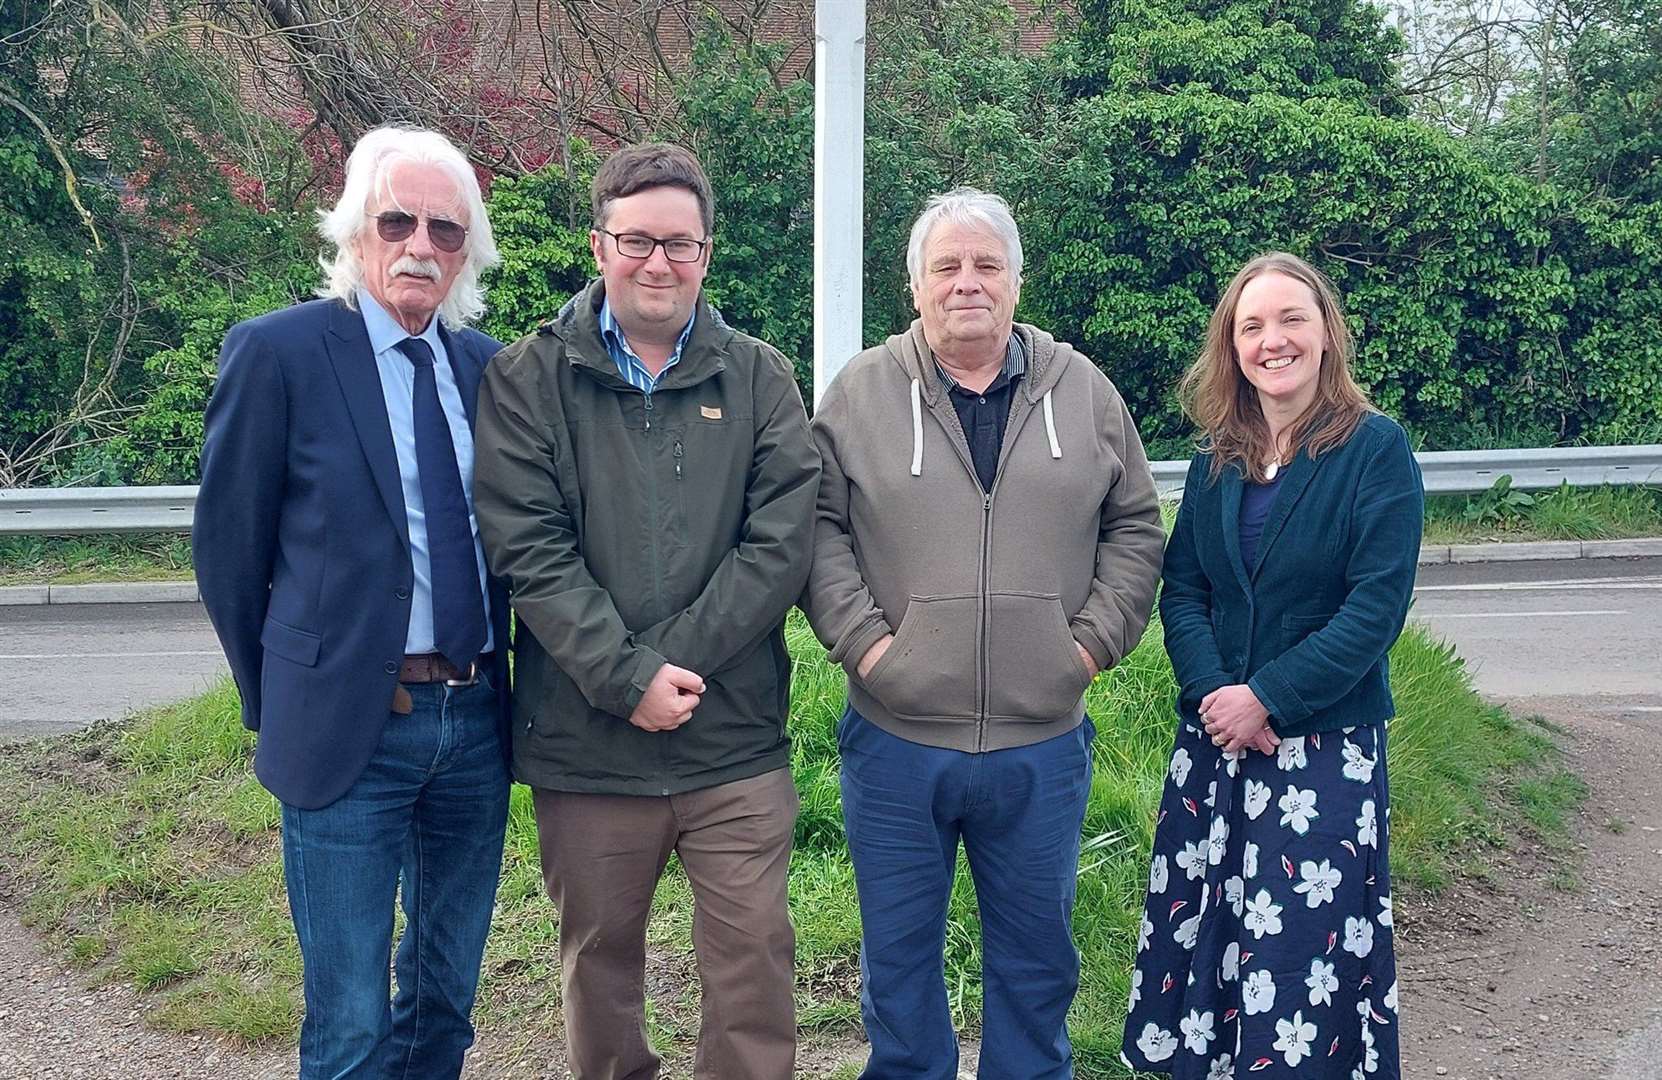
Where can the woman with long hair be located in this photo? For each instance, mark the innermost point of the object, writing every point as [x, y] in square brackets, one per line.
[1266, 944]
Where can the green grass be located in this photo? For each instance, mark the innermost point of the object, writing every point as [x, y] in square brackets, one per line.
[146, 850]
[1566, 513]
[73, 560]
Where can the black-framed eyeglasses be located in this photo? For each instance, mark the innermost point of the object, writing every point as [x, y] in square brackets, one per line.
[640, 246]
[395, 225]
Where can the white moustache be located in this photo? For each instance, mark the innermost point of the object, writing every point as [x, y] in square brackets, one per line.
[426, 268]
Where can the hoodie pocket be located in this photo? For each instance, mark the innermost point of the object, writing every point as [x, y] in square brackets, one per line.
[929, 670]
[1034, 669]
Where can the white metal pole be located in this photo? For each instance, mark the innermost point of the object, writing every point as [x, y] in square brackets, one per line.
[839, 184]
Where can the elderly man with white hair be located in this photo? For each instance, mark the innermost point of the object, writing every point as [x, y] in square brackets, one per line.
[338, 558]
[987, 541]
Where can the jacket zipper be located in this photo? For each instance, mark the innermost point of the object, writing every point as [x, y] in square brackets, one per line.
[657, 564]
[984, 585]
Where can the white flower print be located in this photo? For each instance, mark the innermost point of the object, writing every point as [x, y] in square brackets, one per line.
[1391, 996]
[1384, 911]
[1232, 762]
[1320, 879]
[1258, 993]
[1212, 793]
[1249, 860]
[1156, 1043]
[1290, 754]
[1223, 1068]
[1136, 989]
[1234, 892]
[1298, 807]
[1193, 860]
[1144, 934]
[1295, 1036]
[1370, 1053]
[1197, 1030]
[1358, 766]
[1231, 962]
[1263, 915]
[1216, 841]
[1187, 931]
[1158, 872]
[1367, 825]
[1322, 982]
[1358, 936]
[1180, 764]
[1257, 797]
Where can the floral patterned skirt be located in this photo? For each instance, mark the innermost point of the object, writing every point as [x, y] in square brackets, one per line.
[1266, 947]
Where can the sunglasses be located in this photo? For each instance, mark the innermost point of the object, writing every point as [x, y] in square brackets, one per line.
[395, 225]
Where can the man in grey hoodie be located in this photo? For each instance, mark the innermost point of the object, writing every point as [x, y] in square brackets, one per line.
[987, 540]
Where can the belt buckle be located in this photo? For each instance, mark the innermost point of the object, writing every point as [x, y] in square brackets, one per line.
[472, 676]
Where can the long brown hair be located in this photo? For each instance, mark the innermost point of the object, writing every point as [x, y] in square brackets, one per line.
[1224, 405]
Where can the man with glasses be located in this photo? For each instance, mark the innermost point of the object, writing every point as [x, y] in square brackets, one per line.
[646, 486]
[338, 558]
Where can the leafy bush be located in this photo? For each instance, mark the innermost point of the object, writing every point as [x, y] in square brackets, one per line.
[1157, 146]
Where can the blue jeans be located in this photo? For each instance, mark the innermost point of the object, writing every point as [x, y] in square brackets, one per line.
[1019, 813]
[429, 810]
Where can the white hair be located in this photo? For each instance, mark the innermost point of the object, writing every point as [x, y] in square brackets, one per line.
[964, 206]
[366, 176]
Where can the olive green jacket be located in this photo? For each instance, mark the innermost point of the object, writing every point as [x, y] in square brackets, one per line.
[634, 530]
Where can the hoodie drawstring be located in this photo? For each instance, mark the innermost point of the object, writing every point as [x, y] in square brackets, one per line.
[917, 428]
[1050, 426]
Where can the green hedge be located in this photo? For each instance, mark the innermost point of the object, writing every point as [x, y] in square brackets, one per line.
[1148, 154]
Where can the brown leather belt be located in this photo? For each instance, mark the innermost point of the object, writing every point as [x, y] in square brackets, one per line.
[432, 668]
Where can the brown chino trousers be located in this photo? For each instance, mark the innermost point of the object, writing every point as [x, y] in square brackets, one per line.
[602, 856]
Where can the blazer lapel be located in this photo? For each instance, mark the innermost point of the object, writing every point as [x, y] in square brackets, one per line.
[1300, 471]
[360, 384]
[465, 371]
[1229, 494]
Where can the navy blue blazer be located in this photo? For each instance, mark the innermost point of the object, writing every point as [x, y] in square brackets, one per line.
[301, 545]
[1308, 626]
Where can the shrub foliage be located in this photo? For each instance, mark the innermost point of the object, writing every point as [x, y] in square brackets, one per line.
[1151, 150]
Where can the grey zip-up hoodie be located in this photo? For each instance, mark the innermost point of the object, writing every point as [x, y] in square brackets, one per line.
[985, 592]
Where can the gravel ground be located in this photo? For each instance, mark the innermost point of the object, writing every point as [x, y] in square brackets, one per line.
[53, 1027]
[1514, 978]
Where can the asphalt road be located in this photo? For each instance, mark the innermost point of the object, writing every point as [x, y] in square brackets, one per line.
[66, 665]
[1577, 628]
[1587, 627]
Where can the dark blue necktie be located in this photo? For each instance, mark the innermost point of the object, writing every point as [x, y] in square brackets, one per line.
[458, 607]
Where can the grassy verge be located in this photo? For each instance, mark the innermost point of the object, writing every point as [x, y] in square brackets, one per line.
[72, 560]
[147, 850]
[1566, 513]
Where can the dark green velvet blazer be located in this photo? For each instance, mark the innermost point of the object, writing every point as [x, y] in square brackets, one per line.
[1308, 626]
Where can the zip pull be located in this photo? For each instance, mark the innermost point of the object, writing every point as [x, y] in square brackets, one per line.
[987, 502]
[677, 459]
[648, 396]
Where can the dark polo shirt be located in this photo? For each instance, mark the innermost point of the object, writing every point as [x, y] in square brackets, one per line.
[983, 415]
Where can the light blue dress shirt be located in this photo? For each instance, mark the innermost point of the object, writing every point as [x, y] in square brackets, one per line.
[397, 387]
[629, 365]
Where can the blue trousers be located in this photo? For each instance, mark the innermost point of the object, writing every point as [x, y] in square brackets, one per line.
[1018, 813]
[429, 811]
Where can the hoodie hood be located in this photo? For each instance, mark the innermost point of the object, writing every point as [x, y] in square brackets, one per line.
[1047, 360]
